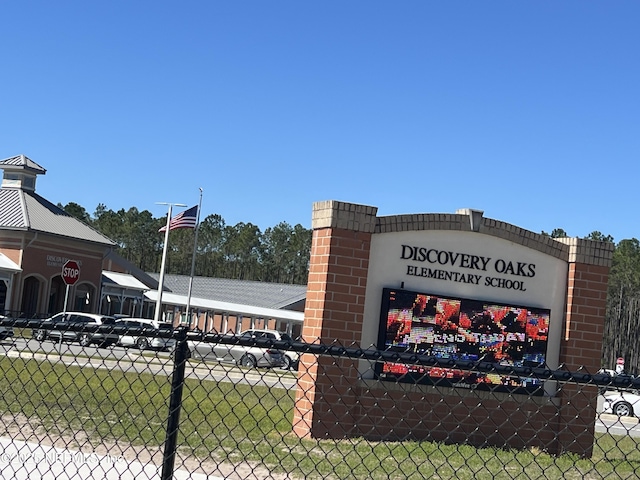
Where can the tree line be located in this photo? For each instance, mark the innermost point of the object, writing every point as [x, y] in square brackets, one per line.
[621, 338]
[281, 253]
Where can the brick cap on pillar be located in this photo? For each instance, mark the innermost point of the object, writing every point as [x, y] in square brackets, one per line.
[348, 216]
[475, 217]
[589, 252]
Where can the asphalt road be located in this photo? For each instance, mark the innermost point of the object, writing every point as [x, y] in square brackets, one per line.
[615, 425]
[132, 359]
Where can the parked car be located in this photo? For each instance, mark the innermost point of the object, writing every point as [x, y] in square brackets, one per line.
[246, 356]
[144, 342]
[622, 403]
[67, 320]
[5, 332]
[291, 359]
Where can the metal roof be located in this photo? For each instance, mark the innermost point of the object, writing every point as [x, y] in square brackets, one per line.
[21, 162]
[228, 307]
[125, 267]
[270, 295]
[124, 280]
[13, 214]
[259, 294]
[25, 210]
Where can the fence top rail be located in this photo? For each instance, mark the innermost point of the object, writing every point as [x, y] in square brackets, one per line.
[336, 349]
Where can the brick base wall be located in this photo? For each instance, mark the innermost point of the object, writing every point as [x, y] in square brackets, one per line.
[458, 417]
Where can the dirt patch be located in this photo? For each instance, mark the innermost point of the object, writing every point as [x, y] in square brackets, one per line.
[22, 428]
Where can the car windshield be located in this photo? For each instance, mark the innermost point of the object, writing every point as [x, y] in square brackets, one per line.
[285, 336]
[165, 326]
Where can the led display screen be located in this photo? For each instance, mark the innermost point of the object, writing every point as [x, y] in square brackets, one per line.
[462, 330]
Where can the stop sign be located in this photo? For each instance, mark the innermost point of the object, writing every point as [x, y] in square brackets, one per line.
[70, 272]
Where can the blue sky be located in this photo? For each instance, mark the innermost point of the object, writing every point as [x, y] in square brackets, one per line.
[528, 110]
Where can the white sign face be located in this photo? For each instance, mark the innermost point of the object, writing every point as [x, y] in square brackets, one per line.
[466, 265]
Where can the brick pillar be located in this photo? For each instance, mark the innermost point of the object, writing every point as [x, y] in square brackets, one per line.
[325, 397]
[581, 346]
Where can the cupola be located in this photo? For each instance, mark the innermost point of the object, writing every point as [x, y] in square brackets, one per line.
[20, 172]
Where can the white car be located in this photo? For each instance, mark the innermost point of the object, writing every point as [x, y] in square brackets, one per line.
[144, 342]
[246, 356]
[622, 403]
[70, 326]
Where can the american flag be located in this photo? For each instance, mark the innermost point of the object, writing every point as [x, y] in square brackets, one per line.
[186, 219]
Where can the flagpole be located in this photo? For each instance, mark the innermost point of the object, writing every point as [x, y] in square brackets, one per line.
[193, 261]
[156, 316]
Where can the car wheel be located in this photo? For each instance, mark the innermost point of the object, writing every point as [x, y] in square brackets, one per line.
[142, 343]
[85, 340]
[623, 409]
[248, 361]
[39, 335]
[286, 364]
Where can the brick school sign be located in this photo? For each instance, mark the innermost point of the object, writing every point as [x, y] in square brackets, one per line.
[455, 270]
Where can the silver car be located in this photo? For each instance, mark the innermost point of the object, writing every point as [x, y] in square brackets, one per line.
[143, 342]
[246, 356]
[291, 359]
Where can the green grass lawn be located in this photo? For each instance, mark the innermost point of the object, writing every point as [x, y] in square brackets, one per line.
[227, 422]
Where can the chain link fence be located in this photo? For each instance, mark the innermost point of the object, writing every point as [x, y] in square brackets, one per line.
[216, 406]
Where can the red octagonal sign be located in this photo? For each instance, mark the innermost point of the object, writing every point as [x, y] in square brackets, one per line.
[70, 272]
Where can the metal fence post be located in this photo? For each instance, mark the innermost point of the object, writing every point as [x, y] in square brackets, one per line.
[175, 403]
